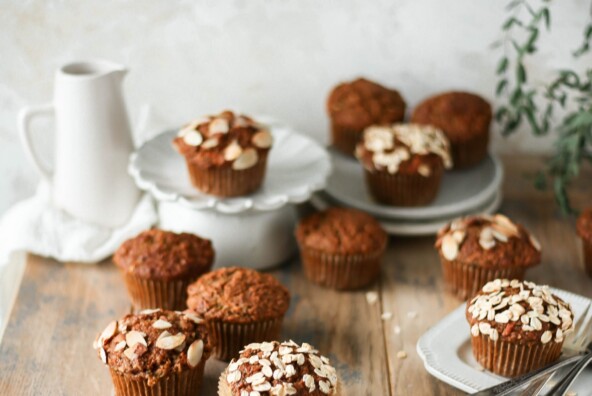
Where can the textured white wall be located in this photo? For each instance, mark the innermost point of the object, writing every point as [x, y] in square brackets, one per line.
[278, 57]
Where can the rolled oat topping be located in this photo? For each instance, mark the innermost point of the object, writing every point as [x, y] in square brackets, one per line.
[226, 139]
[488, 240]
[273, 368]
[519, 311]
[153, 343]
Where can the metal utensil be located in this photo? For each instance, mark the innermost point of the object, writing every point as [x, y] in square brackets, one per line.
[572, 349]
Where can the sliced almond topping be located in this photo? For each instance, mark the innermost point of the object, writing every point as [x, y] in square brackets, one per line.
[424, 170]
[232, 151]
[130, 354]
[103, 355]
[193, 138]
[193, 317]
[499, 236]
[449, 247]
[109, 332]
[218, 125]
[459, 236]
[546, 337]
[486, 240]
[195, 352]
[135, 337]
[170, 342]
[120, 345]
[534, 242]
[149, 311]
[161, 324]
[262, 139]
[246, 160]
[210, 143]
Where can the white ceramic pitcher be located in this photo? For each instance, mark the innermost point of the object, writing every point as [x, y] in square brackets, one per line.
[92, 143]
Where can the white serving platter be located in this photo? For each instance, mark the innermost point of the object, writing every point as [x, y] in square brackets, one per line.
[297, 166]
[461, 191]
[446, 352]
[409, 227]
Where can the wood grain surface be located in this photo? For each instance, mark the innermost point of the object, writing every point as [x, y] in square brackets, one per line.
[47, 346]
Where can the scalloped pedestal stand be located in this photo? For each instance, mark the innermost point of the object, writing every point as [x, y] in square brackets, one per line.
[254, 231]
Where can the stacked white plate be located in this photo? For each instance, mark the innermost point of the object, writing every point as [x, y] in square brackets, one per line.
[462, 192]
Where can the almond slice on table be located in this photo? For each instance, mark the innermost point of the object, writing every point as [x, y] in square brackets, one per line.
[195, 353]
[262, 139]
[246, 160]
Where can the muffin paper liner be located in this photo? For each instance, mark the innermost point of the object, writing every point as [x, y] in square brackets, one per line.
[345, 139]
[465, 279]
[510, 359]
[227, 182]
[467, 153]
[230, 338]
[587, 255]
[341, 271]
[186, 383]
[224, 386]
[146, 293]
[403, 190]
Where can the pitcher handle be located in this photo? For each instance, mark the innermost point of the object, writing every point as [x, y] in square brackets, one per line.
[25, 117]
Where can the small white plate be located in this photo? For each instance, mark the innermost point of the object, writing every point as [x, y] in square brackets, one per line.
[297, 166]
[461, 190]
[413, 228]
[446, 351]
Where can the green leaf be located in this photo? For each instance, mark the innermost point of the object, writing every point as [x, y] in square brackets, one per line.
[546, 18]
[534, 34]
[577, 120]
[502, 65]
[540, 181]
[501, 113]
[516, 97]
[501, 85]
[521, 74]
[511, 22]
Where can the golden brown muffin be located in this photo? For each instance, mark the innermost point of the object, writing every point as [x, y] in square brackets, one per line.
[355, 105]
[464, 118]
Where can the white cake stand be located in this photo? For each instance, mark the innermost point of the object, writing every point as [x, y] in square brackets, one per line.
[254, 231]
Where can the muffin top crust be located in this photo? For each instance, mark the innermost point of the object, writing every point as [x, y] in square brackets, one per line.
[341, 231]
[154, 343]
[360, 103]
[273, 368]
[520, 312]
[238, 295]
[225, 140]
[488, 241]
[461, 115]
[159, 254]
[584, 224]
[404, 148]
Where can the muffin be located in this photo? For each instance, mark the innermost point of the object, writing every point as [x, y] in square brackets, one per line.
[226, 154]
[477, 249]
[353, 106]
[517, 327]
[158, 265]
[403, 163]
[240, 306]
[271, 368]
[464, 118]
[584, 226]
[341, 248]
[155, 352]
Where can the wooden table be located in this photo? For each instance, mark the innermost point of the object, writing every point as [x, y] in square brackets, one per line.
[47, 347]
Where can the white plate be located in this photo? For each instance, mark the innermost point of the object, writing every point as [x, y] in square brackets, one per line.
[413, 228]
[461, 190]
[446, 351]
[297, 166]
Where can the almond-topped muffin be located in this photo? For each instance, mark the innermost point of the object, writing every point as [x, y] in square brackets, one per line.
[477, 249]
[155, 352]
[341, 248]
[517, 326]
[226, 154]
[403, 163]
[240, 306]
[464, 118]
[584, 227]
[355, 105]
[274, 369]
[158, 265]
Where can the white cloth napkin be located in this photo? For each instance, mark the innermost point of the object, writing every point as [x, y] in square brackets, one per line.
[35, 225]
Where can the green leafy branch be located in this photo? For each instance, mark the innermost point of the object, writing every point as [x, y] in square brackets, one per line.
[524, 102]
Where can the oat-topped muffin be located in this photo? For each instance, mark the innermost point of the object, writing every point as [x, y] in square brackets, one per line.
[158, 265]
[355, 105]
[341, 248]
[516, 326]
[226, 154]
[477, 249]
[240, 306]
[155, 352]
[465, 118]
[584, 227]
[403, 163]
[274, 369]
